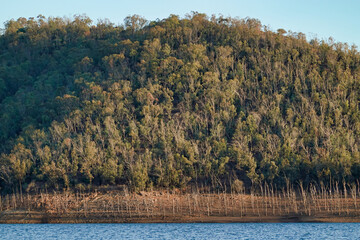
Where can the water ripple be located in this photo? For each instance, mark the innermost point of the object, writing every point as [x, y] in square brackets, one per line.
[186, 231]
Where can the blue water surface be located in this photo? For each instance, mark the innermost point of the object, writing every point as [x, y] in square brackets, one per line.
[182, 231]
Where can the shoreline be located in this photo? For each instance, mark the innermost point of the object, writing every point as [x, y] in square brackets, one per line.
[41, 218]
[166, 207]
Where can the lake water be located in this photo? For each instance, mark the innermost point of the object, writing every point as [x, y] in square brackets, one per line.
[182, 231]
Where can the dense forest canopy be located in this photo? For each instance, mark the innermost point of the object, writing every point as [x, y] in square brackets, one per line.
[174, 102]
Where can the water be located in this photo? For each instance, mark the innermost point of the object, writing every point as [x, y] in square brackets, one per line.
[182, 231]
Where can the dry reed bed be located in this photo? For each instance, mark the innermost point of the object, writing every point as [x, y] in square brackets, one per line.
[124, 206]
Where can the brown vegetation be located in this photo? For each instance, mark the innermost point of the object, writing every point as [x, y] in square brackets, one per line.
[262, 205]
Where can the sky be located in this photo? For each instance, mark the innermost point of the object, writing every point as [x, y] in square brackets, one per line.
[315, 18]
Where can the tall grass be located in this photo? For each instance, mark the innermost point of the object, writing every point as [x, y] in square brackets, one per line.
[264, 201]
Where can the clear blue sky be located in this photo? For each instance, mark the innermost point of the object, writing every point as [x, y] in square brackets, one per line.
[316, 18]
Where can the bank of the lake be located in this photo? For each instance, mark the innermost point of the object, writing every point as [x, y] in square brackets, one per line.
[177, 207]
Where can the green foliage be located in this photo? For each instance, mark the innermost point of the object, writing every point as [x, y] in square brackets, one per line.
[174, 102]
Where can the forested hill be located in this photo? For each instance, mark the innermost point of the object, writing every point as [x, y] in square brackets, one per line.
[174, 102]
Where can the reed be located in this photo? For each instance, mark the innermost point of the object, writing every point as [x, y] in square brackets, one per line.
[266, 201]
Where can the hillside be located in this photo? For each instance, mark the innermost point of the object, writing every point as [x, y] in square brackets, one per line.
[172, 103]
